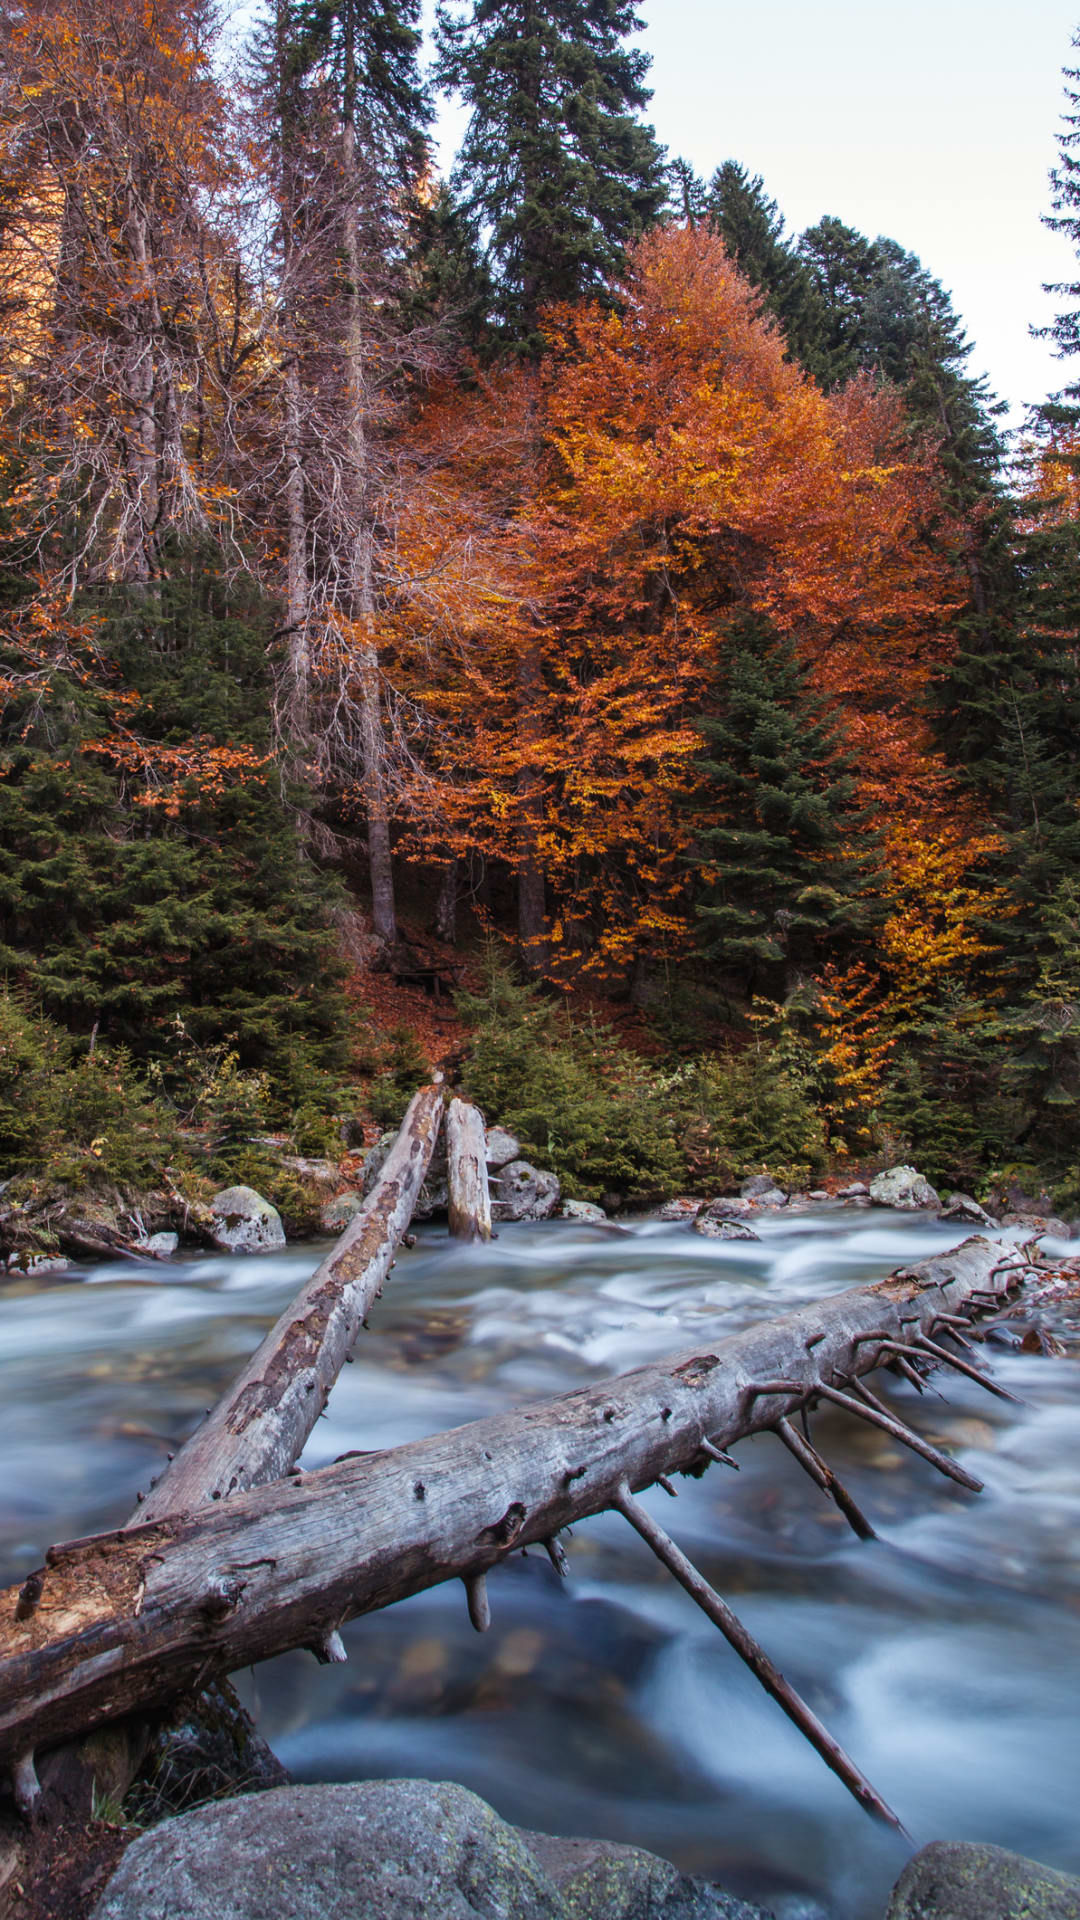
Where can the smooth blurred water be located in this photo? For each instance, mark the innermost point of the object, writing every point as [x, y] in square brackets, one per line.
[944, 1656]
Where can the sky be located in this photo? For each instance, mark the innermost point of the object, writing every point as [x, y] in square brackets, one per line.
[934, 122]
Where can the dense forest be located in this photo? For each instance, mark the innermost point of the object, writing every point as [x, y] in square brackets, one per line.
[558, 580]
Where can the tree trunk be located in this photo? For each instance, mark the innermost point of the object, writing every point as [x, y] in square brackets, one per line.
[466, 1160]
[257, 1431]
[126, 1621]
[532, 904]
[446, 906]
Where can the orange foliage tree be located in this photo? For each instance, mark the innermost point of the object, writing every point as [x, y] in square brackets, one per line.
[593, 531]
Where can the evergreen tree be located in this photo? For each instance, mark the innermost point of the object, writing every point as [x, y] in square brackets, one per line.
[1064, 409]
[149, 865]
[752, 229]
[555, 168]
[778, 796]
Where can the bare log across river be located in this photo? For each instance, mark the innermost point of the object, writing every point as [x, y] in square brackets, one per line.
[126, 1622]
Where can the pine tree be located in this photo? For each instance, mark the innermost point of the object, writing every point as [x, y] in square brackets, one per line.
[1064, 409]
[752, 229]
[555, 167]
[149, 868]
[778, 796]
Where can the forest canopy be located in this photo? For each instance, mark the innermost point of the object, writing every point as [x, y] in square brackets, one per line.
[561, 554]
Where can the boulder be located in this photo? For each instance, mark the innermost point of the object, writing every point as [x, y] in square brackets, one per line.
[501, 1148]
[819, 1193]
[964, 1880]
[388, 1849]
[522, 1192]
[158, 1246]
[763, 1188]
[903, 1188]
[243, 1222]
[727, 1208]
[29, 1262]
[601, 1880]
[318, 1173]
[335, 1214]
[680, 1210]
[581, 1210]
[855, 1190]
[963, 1209]
[1036, 1224]
[714, 1229]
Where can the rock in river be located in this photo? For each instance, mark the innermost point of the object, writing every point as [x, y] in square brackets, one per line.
[522, 1192]
[963, 1880]
[243, 1222]
[903, 1188]
[390, 1850]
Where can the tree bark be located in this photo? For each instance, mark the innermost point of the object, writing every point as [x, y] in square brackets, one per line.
[126, 1621]
[257, 1431]
[466, 1160]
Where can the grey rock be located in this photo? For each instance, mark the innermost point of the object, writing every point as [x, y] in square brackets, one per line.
[771, 1197]
[1037, 1224]
[961, 1207]
[724, 1229]
[680, 1210]
[374, 1161]
[381, 1850]
[963, 1880]
[159, 1246]
[727, 1208]
[600, 1880]
[241, 1221]
[903, 1188]
[336, 1214]
[320, 1173]
[26, 1261]
[522, 1192]
[856, 1190]
[501, 1147]
[761, 1187]
[581, 1210]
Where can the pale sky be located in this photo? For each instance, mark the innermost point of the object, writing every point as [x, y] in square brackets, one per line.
[933, 122]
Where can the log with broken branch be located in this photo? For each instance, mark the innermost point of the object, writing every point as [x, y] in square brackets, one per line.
[258, 1429]
[128, 1621]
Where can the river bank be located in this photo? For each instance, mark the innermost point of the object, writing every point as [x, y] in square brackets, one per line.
[937, 1653]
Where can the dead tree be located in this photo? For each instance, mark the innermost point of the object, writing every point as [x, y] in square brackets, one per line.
[257, 1431]
[467, 1177]
[124, 1622]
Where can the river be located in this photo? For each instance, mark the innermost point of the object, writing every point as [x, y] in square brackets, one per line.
[944, 1655]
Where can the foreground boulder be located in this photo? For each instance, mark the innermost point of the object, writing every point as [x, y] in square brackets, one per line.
[390, 1850]
[522, 1192]
[600, 1880]
[961, 1880]
[241, 1221]
[903, 1188]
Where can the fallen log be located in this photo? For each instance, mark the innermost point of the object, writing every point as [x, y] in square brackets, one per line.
[257, 1432]
[466, 1163]
[128, 1621]
[258, 1429]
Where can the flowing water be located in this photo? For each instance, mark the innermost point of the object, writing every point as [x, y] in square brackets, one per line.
[944, 1656]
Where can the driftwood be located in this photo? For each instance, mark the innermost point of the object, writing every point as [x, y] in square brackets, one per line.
[258, 1430]
[126, 1621]
[466, 1163]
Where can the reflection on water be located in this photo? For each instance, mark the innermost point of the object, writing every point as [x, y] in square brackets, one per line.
[943, 1656]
